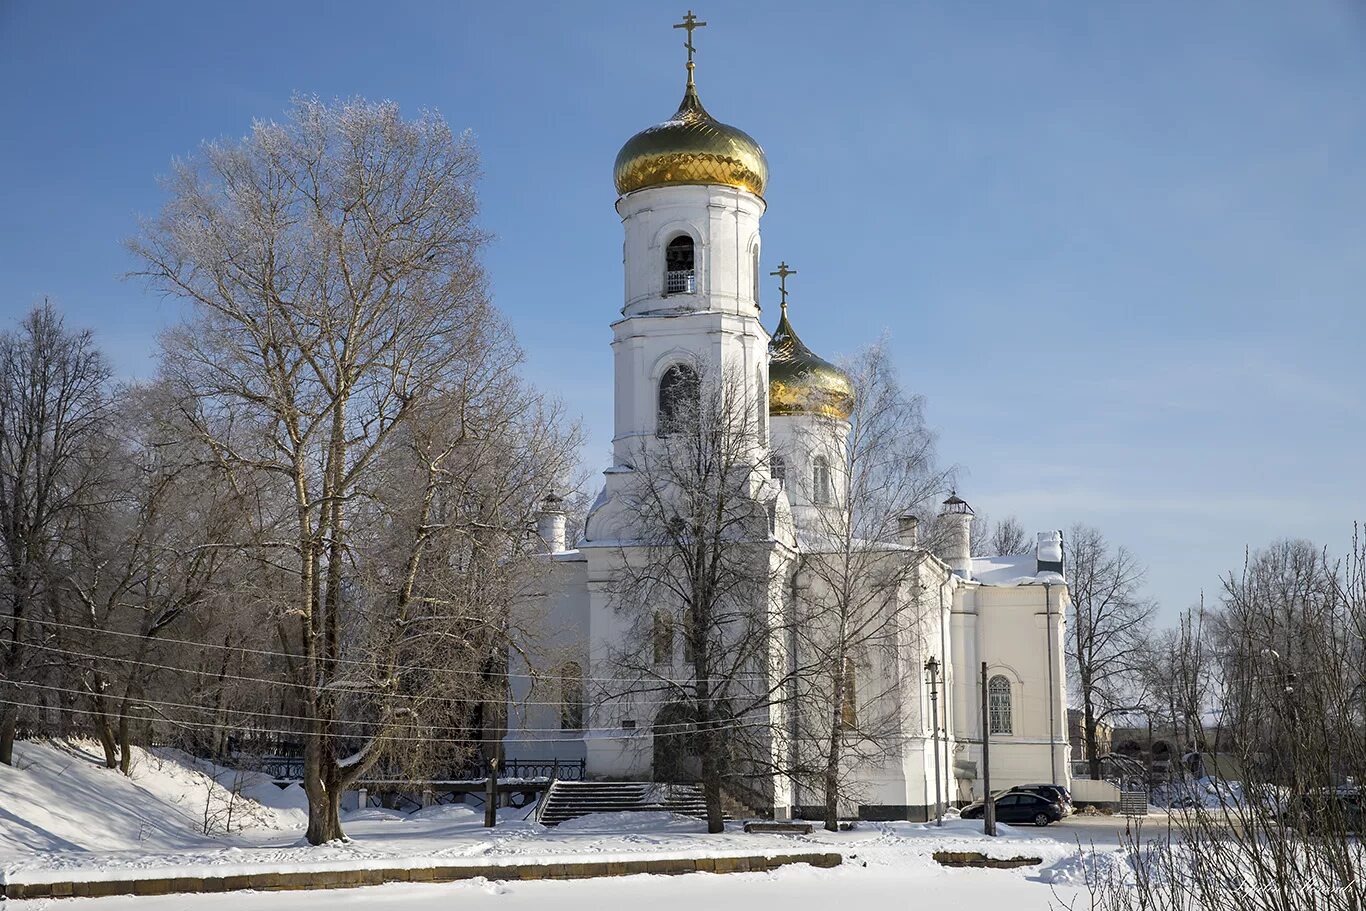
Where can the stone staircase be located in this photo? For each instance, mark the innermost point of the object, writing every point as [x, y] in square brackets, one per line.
[572, 799]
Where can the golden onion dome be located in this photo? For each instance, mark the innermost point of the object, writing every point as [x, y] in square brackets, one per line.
[691, 147]
[799, 382]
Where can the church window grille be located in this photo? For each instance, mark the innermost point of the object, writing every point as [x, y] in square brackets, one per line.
[679, 396]
[820, 482]
[680, 273]
[571, 697]
[779, 469]
[998, 705]
[663, 638]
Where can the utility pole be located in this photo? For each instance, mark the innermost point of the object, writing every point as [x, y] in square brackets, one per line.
[988, 805]
[932, 669]
[491, 795]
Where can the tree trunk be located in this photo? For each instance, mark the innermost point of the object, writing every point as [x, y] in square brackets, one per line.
[324, 818]
[103, 729]
[106, 735]
[832, 752]
[832, 781]
[9, 720]
[324, 795]
[125, 741]
[130, 695]
[711, 784]
[1089, 732]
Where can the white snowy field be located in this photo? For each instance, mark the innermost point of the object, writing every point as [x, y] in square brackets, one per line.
[63, 816]
[797, 886]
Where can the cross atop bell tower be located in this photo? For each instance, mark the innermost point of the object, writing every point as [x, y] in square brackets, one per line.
[690, 23]
[782, 273]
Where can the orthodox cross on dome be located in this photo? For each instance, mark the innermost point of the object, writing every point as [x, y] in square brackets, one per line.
[689, 22]
[782, 273]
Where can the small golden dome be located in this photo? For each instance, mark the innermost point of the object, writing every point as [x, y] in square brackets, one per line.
[799, 382]
[691, 147]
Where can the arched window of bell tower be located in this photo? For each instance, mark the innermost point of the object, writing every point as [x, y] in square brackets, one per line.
[680, 266]
[754, 270]
[679, 399]
[822, 491]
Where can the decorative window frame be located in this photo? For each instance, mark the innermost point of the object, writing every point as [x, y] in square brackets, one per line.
[1016, 686]
[674, 357]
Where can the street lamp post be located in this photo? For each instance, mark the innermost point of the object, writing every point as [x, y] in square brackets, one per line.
[932, 671]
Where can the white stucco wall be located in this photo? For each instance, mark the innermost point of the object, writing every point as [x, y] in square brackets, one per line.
[1010, 629]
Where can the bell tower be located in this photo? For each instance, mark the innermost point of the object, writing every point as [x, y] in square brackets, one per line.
[690, 199]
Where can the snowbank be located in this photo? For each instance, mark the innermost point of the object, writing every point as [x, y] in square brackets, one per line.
[64, 816]
[61, 798]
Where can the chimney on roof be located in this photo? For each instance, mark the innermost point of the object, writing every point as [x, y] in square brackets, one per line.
[550, 523]
[908, 530]
[1049, 552]
[957, 515]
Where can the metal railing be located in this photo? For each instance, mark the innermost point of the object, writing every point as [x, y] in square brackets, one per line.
[291, 768]
[680, 281]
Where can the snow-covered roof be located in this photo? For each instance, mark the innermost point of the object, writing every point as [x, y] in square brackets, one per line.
[1012, 569]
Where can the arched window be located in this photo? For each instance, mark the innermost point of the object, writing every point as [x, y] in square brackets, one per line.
[689, 654]
[849, 700]
[680, 274]
[663, 638]
[754, 271]
[778, 468]
[820, 482]
[998, 705]
[571, 696]
[678, 398]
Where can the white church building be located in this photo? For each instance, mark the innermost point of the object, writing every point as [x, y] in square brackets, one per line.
[691, 198]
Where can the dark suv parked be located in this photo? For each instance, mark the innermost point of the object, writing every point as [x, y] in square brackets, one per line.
[1327, 810]
[1020, 806]
[1054, 792]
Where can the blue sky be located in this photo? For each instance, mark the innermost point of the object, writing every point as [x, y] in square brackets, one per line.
[1119, 247]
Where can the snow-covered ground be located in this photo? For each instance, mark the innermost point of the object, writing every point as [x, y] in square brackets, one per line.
[63, 816]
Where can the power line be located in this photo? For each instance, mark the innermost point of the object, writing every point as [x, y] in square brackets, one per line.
[461, 741]
[646, 683]
[357, 661]
[375, 724]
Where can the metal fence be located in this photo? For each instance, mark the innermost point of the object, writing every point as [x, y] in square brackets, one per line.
[284, 768]
[1133, 803]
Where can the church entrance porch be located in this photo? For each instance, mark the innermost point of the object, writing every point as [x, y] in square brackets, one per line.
[677, 757]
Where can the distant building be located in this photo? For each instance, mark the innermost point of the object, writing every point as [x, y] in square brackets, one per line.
[1076, 736]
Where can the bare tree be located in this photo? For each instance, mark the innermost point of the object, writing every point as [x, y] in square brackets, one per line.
[332, 262]
[1005, 538]
[144, 555]
[701, 560]
[1177, 678]
[1109, 629]
[54, 398]
[1285, 834]
[862, 606]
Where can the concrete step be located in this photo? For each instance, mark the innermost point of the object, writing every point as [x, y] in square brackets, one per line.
[572, 799]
